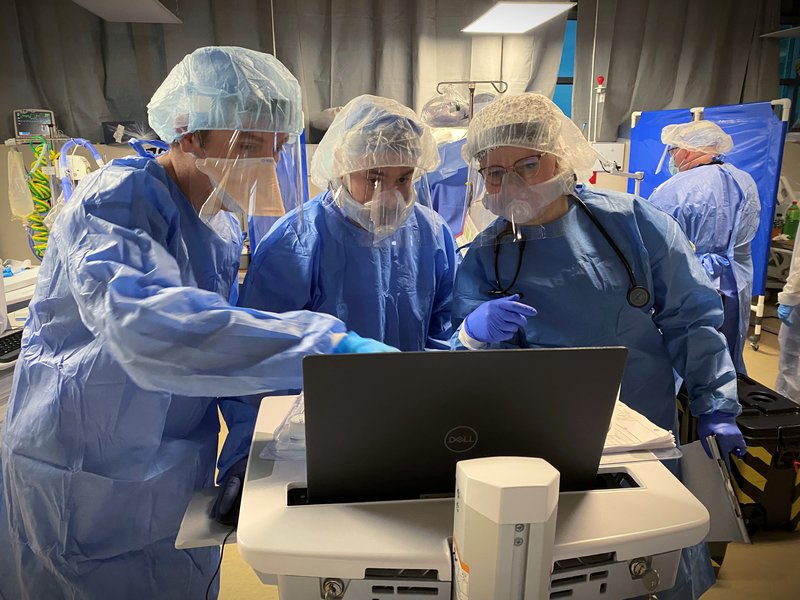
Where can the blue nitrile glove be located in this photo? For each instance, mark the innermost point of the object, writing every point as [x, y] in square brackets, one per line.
[229, 495]
[353, 343]
[498, 320]
[785, 314]
[723, 426]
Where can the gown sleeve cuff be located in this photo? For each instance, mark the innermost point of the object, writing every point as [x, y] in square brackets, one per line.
[468, 341]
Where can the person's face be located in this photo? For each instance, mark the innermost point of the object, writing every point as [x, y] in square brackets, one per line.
[532, 166]
[686, 159]
[224, 144]
[678, 156]
[238, 144]
[362, 184]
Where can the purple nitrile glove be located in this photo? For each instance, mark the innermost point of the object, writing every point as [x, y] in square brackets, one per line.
[498, 320]
[723, 426]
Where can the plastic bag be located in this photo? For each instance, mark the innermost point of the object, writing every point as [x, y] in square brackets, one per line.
[16, 266]
[19, 195]
[448, 109]
[50, 218]
[322, 120]
[289, 442]
[481, 100]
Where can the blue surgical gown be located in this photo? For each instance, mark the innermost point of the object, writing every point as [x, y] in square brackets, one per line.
[578, 285]
[448, 185]
[112, 421]
[398, 290]
[718, 208]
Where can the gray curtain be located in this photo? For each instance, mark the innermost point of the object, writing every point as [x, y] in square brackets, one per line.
[56, 55]
[678, 54]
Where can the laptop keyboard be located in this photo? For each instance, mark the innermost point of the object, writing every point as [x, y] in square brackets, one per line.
[10, 346]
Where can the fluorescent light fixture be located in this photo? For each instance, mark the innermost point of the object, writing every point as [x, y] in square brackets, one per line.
[517, 17]
[133, 11]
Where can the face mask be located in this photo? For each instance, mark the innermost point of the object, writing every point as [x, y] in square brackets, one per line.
[382, 215]
[520, 202]
[242, 185]
[673, 168]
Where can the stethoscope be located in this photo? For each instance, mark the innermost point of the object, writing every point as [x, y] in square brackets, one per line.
[638, 296]
[517, 239]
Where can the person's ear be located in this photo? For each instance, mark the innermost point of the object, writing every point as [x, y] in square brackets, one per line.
[678, 157]
[190, 144]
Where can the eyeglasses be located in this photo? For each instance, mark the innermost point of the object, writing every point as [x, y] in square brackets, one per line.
[527, 168]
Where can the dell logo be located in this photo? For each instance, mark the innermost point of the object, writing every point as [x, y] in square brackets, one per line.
[461, 439]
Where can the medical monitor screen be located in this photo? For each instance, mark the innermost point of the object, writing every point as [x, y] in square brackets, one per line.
[29, 123]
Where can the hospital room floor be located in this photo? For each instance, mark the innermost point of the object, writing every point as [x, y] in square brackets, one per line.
[766, 570]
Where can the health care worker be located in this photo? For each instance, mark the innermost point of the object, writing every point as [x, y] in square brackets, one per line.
[718, 208]
[112, 421]
[370, 250]
[567, 265]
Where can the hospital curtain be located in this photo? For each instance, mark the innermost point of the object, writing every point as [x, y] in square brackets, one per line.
[682, 53]
[56, 55]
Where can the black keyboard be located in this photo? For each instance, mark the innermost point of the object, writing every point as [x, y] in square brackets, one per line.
[10, 346]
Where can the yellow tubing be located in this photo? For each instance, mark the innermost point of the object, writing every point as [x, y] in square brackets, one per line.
[39, 185]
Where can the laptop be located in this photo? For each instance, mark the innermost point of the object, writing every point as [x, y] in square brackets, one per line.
[393, 426]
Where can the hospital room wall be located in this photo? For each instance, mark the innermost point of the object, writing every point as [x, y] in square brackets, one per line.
[618, 184]
[790, 167]
[13, 238]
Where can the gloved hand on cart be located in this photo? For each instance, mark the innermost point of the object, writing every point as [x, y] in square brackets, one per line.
[229, 495]
[723, 427]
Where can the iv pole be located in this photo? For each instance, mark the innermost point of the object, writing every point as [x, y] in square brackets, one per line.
[500, 86]
[591, 79]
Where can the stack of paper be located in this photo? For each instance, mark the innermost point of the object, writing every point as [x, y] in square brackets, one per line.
[632, 431]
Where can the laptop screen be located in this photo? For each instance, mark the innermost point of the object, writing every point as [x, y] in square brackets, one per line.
[393, 426]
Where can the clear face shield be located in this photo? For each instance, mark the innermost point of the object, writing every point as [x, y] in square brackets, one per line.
[688, 145]
[387, 204]
[517, 185]
[292, 189]
[242, 171]
[290, 175]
